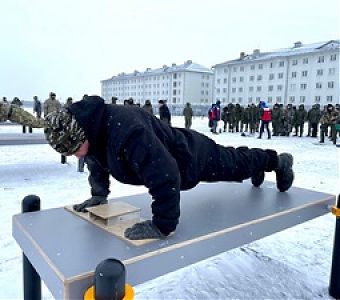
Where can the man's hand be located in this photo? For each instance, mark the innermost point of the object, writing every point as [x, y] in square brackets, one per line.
[93, 201]
[142, 231]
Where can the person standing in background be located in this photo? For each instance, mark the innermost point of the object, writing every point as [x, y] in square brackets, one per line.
[164, 112]
[37, 107]
[51, 104]
[188, 113]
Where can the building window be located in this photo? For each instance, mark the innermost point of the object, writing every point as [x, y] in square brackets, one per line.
[305, 61]
[281, 63]
[206, 84]
[241, 79]
[293, 74]
[292, 99]
[240, 99]
[330, 84]
[251, 78]
[218, 81]
[252, 67]
[234, 79]
[174, 92]
[321, 59]
[270, 88]
[224, 90]
[240, 89]
[175, 76]
[318, 85]
[174, 84]
[174, 100]
[258, 88]
[303, 86]
[279, 87]
[271, 65]
[319, 72]
[294, 62]
[251, 89]
[233, 90]
[317, 98]
[217, 91]
[302, 99]
[278, 99]
[329, 98]
[260, 66]
[271, 76]
[270, 99]
[234, 69]
[258, 99]
[224, 70]
[304, 73]
[280, 75]
[250, 99]
[259, 77]
[331, 71]
[225, 80]
[333, 57]
[293, 87]
[242, 69]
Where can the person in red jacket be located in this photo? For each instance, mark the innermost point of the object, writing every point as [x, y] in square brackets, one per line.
[266, 118]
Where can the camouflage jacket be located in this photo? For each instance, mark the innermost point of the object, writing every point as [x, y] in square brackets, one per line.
[51, 105]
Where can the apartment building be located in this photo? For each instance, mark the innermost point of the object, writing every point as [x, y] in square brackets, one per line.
[178, 84]
[302, 74]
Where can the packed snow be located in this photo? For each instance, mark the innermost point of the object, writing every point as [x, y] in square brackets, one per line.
[294, 263]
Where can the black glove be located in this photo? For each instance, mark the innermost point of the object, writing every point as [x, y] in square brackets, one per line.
[142, 231]
[93, 201]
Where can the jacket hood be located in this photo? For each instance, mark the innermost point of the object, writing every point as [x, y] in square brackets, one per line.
[88, 113]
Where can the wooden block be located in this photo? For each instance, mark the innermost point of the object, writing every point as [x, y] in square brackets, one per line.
[113, 213]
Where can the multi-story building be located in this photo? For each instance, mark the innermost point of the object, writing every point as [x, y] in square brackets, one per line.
[302, 74]
[178, 84]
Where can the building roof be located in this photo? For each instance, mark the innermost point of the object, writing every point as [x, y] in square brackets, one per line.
[297, 49]
[188, 66]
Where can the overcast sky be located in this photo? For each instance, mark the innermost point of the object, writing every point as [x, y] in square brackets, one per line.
[68, 46]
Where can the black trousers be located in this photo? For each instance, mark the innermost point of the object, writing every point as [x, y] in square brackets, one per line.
[263, 125]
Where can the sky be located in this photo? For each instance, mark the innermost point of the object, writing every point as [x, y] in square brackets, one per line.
[70, 46]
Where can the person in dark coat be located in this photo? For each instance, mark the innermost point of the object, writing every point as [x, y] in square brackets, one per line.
[137, 148]
[164, 112]
[37, 107]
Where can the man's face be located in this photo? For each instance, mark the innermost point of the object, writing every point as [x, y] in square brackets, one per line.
[82, 151]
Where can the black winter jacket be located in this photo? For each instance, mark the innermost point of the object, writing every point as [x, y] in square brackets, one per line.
[137, 148]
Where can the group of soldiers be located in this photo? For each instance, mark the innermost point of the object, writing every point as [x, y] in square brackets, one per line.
[14, 112]
[237, 118]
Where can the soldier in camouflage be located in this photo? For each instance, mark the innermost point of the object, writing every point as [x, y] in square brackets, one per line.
[14, 113]
[51, 104]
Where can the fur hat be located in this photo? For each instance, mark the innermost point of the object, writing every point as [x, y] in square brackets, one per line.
[63, 132]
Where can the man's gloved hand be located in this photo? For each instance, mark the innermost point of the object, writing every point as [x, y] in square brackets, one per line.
[93, 201]
[142, 231]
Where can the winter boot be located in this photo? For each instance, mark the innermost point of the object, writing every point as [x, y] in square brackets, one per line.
[284, 172]
[257, 179]
[143, 230]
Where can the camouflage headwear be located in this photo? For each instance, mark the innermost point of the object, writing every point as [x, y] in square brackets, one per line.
[63, 132]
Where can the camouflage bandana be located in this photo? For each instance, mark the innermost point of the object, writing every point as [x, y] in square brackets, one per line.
[63, 132]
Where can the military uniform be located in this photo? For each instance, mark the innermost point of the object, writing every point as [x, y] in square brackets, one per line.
[329, 118]
[300, 117]
[18, 115]
[188, 113]
[276, 119]
[51, 105]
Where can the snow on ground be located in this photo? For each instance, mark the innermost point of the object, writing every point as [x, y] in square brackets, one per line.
[294, 263]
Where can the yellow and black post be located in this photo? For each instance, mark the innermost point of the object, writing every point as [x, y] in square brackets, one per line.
[109, 282]
[334, 283]
[32, 281]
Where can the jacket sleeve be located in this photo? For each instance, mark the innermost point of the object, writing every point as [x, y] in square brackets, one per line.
[157, 169]
[99, 178]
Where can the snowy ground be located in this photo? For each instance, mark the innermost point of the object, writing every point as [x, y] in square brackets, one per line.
[294, 263]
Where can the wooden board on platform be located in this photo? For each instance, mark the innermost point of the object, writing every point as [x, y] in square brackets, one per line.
[113, 209]
[215, 217]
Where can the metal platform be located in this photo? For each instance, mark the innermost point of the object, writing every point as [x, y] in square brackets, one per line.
[9, 139]
[215, 217]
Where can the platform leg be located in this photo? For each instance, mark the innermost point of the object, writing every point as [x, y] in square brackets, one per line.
[109, 280]
[63, 159]
[81, 163]
[23, 129]
[30, 129]
[32, 281]
[334, 283]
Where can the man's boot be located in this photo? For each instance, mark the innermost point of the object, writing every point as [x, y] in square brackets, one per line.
[257, 179]
[284, 172]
